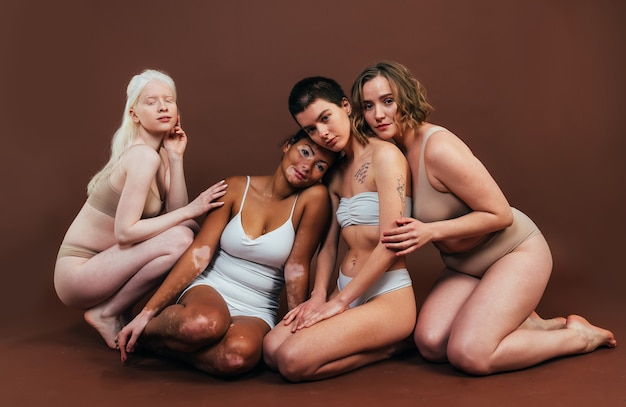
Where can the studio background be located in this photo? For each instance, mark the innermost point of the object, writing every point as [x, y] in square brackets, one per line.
[536, 88]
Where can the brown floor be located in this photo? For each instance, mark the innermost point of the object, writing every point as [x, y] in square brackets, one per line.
[536, 88]
[56, 359]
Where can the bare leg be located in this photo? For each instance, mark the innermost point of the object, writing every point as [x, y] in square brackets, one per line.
[438, 312]
[111, 282]
[485, 337]
[200, 331]
[523, 348]
[534, 321]
[200, 319]
[354, 338]
[238, 352]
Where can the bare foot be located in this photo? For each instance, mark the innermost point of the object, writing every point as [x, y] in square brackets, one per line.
[535, 322]
[108, 327]
[594, 336]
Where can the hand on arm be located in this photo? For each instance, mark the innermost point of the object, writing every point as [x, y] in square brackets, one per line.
[302, 313]
[141, 164]
[392, 181]
[453, 168]
[195, 259]
[408, 235]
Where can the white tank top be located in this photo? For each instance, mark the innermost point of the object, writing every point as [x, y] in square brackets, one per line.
[271, 249]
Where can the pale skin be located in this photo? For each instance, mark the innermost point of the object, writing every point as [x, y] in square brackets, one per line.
[345, 338]
[483, 323]
[134, 254]
[198, 329]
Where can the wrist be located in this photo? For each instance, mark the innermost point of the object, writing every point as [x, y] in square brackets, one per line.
[319, 294]
[175, 159]
[341, 300]
[147, 313]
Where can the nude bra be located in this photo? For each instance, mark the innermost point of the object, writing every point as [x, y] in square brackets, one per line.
[105, 199]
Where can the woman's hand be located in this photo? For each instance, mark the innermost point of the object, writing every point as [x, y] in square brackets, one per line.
[410, 235]
[176, 141]
[126, 339]
[205, 201]
[303, 312]
[317, 313]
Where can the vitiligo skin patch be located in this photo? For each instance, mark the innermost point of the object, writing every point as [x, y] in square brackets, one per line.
[201, 256]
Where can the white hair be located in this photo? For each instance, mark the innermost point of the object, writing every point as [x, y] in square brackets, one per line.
[126, 133]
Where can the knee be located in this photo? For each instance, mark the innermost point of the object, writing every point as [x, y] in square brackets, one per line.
[200, 329]
[270, 346]
[430, 345]
[469, 357]
[236, 356]
[179, 240]
[289, 363]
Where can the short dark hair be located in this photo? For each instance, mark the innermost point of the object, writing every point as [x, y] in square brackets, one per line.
[307, 90]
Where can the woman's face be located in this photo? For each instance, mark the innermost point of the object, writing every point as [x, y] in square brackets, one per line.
[156, 108]
[326, 123]
[380, 109]
[304, 163]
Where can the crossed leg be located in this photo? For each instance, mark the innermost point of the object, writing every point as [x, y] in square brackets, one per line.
[199, 330]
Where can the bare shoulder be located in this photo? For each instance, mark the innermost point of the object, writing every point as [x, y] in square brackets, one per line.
[236, 186]
[140, 157]
[315, 192]
[444, 145]
[386, 153]
[450, 162]
[141, 150]
[236, 180]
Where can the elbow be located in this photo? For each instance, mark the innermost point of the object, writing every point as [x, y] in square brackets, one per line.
[122, 242]
[123, 238]
[295, 271]
[506, 218]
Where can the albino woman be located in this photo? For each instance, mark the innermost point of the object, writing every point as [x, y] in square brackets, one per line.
[137, 220]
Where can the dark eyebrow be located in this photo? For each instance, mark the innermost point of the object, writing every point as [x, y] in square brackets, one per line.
[322, 114]
[310, 147]
[313, 151]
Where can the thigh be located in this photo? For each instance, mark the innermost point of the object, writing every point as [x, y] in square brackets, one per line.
[442, 304]
[104, 273]
[508, 292]
[200, 316]
[385, 320]
[203, 299]
[275, 338]
[239, 350]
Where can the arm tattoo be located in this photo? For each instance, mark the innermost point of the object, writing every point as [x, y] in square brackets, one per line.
[361, 173]
[401, 189]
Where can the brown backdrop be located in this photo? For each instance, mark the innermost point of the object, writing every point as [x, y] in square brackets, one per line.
[534, 87]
